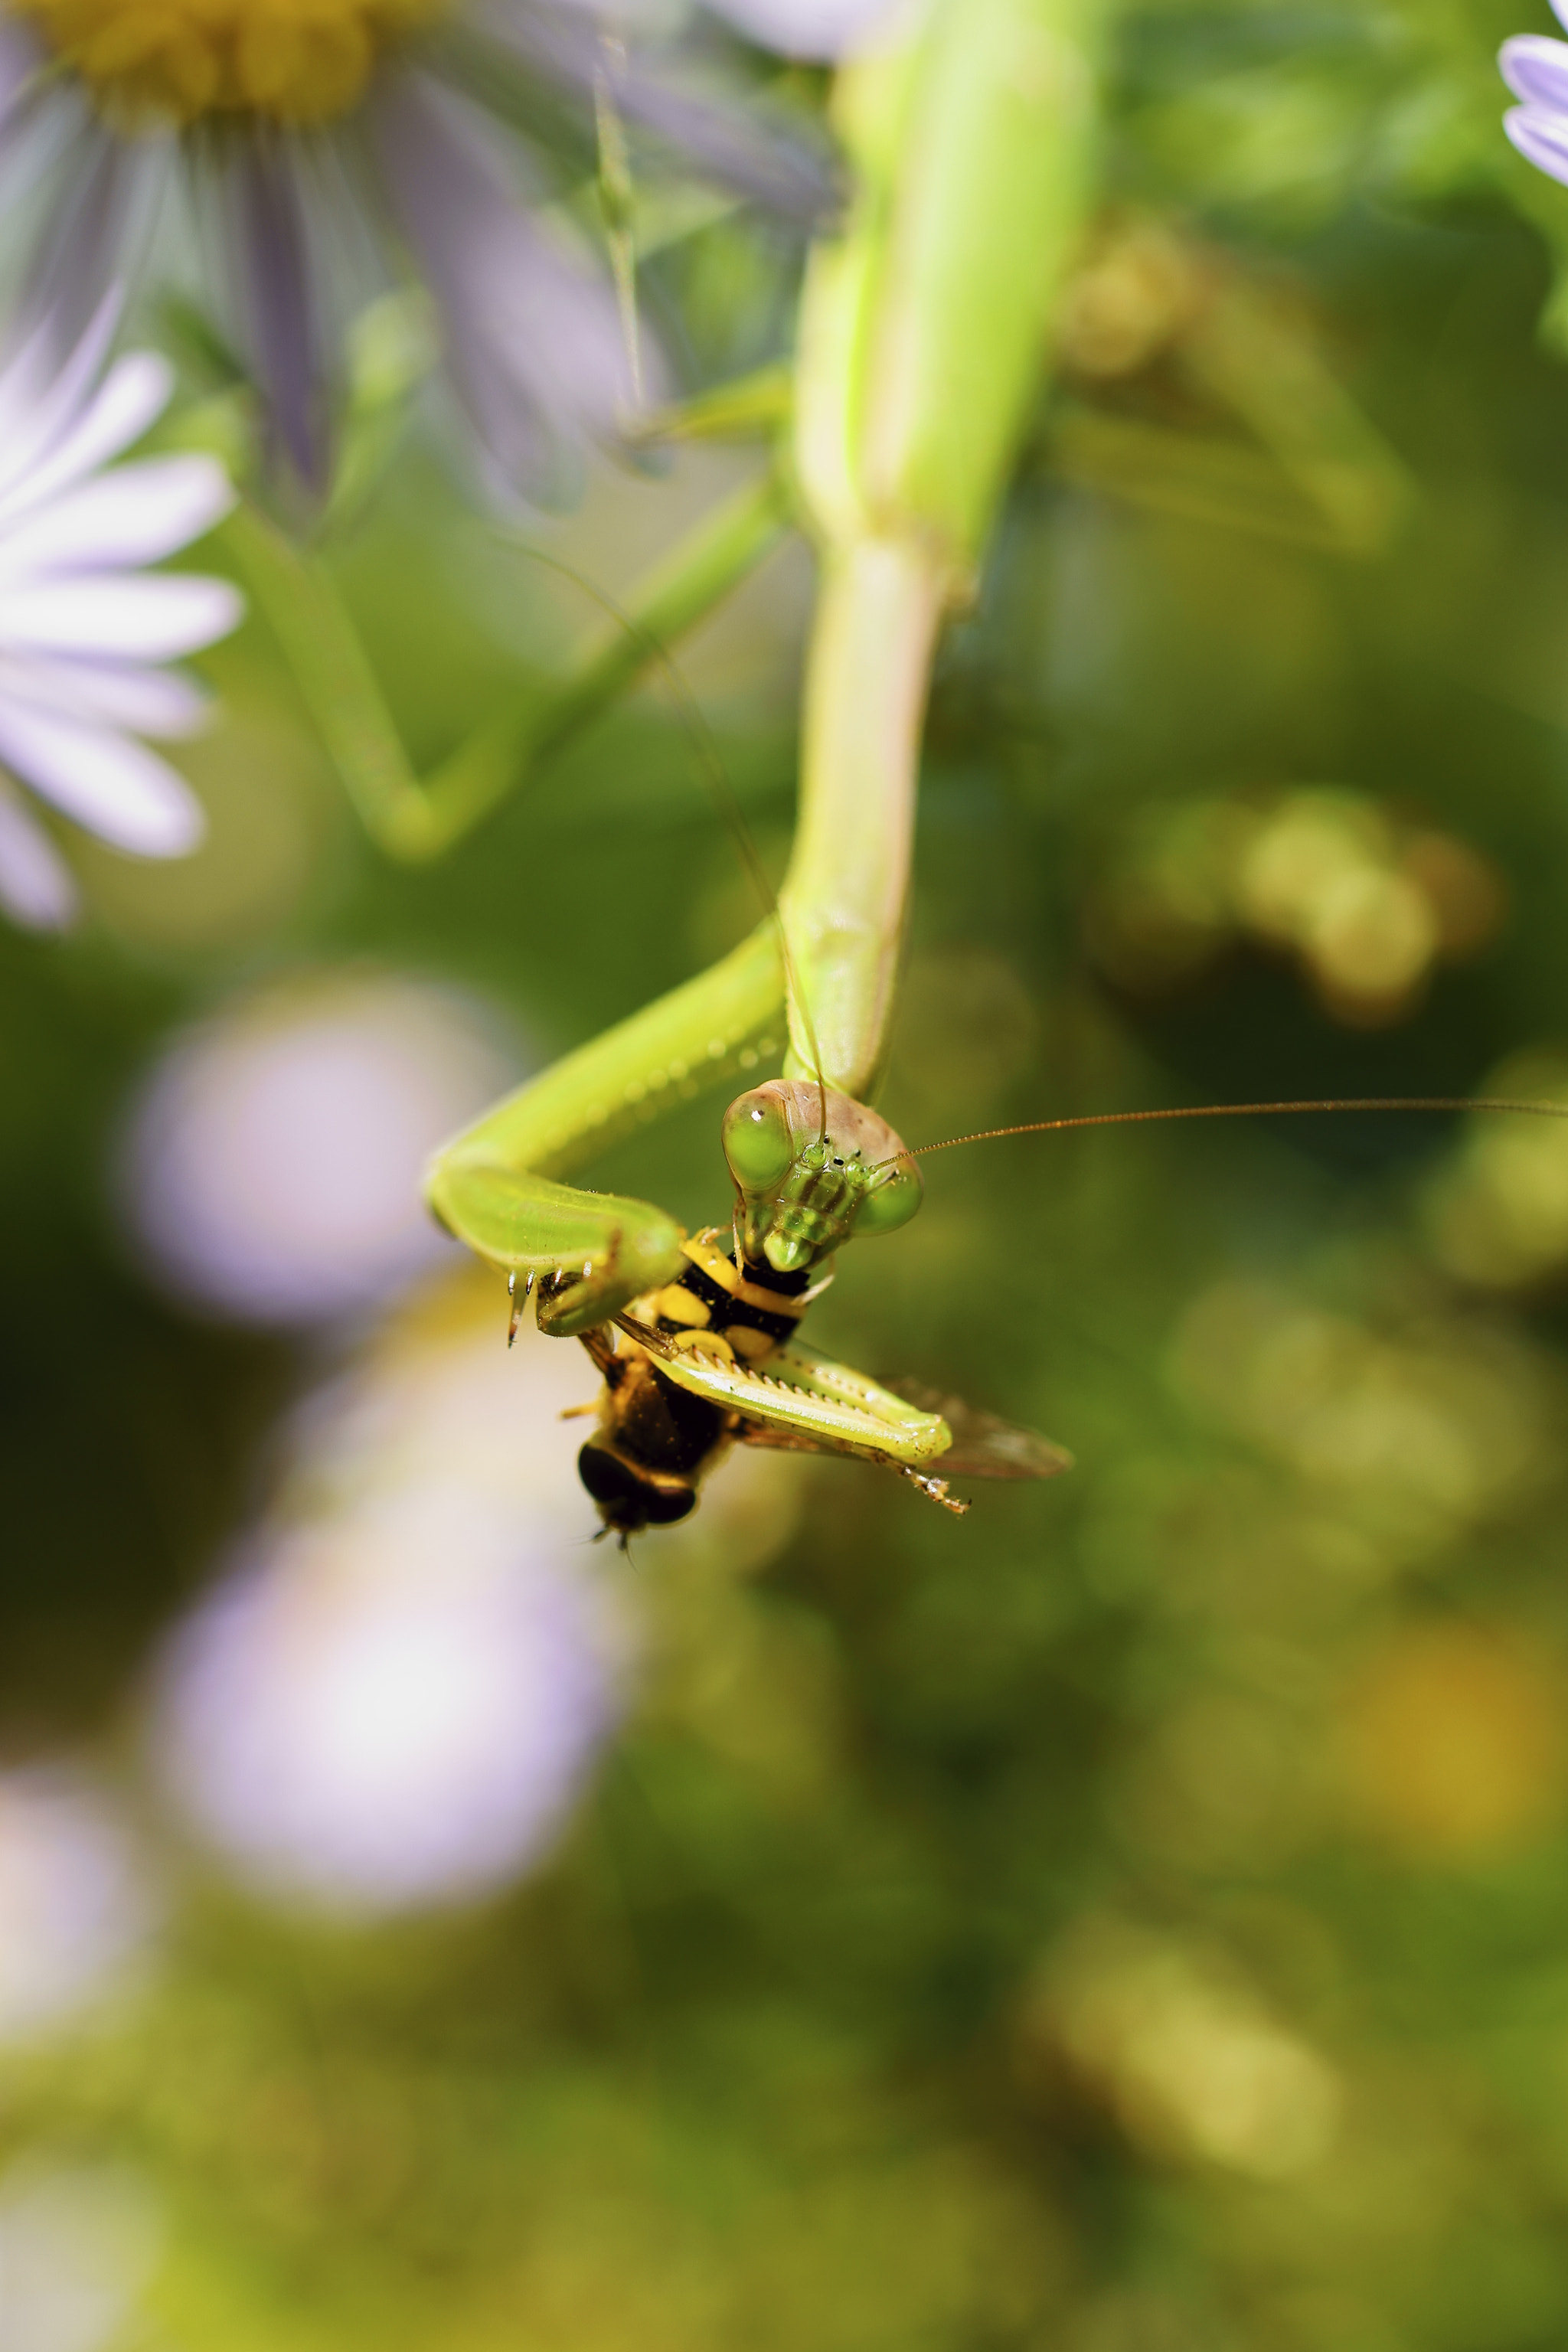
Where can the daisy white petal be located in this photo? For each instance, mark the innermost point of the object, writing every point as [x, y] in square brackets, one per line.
[135, 391]
[155, 619]
[18, 63]
[534, 342]
[277, 275]
[116, 787]
[36, 886]
[160, 702]
[83, 632]
[1541, 136]
[106, 213]
[40, 402]
[819, 29]
[761, 157]
[1536, 69]
[136, 515]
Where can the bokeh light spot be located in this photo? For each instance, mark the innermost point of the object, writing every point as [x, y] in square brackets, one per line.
[272, 1165]
[76, 1903]
[1454, 1742]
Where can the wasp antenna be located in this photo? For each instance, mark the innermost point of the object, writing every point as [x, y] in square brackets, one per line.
[1487, 1103]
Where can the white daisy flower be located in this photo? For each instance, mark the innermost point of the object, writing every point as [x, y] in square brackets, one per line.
[306, 131]
[1536, 71]
[85, 631]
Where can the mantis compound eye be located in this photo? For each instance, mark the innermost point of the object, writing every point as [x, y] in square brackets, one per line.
[892, 1203]
[757, 1140]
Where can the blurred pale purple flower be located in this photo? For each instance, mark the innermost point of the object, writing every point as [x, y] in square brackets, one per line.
[824, 29]
[440, 126]
[272, 1159]
[76, 1905]
[1536, 71]
[79, 2245]
[85, 633]
[394, 1704]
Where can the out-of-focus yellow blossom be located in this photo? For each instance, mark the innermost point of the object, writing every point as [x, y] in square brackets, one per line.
[1368, 907]
[1453, 1741]
[297, 61]
[1498, 1211]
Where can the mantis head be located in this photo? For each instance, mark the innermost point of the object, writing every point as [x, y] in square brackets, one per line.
[812, 1167]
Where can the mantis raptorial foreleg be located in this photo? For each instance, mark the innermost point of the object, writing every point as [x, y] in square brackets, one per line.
[496, 1186]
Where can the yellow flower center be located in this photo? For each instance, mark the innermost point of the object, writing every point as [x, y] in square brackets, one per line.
[291, 60]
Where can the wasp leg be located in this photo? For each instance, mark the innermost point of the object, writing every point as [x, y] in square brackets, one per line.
[936, 1488]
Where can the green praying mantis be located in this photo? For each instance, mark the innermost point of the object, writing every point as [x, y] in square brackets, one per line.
[923, 331]
[920, 339]
[922, 334]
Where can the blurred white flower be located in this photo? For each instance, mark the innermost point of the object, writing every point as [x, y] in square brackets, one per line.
[75, 1904]
[344, 140]
[1536, 71]
[273, 1160]
[392, 1701]
[78, 2243]
[823, 29]
[85, 632]
[404, 1680]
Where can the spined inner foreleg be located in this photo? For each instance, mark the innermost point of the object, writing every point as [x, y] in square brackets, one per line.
[584, 1256]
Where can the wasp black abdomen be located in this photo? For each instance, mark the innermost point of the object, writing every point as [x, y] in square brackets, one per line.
[627, 1498]
[642, 1468]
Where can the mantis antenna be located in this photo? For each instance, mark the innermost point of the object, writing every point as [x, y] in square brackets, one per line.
[1235, 1111]
[724, 789]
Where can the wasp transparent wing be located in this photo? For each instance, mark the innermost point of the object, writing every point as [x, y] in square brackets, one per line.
[983, 1445]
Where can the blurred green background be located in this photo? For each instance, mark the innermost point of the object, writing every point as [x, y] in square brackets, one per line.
[1134, 1917]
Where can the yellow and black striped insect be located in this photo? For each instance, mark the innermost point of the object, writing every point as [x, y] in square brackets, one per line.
[712, 1357]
